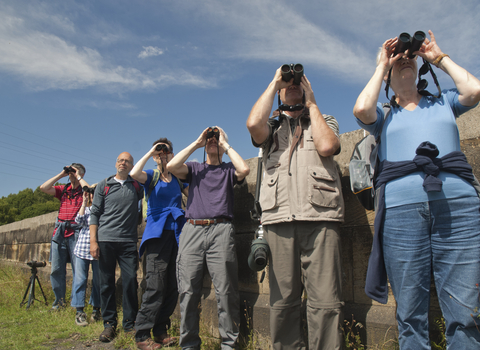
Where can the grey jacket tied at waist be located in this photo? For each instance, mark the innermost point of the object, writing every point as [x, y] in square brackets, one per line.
[61, 226]
[426, 160]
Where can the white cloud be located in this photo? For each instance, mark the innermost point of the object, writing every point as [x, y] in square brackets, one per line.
[47, 61]
[149, 51]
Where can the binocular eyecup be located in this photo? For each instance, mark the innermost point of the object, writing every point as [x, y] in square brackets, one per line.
[213, 131]
[294, 71]
[34, 263]
[409, 43]
[162, 148]
[88, 189]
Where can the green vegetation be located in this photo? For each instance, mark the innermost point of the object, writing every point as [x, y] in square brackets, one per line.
[39, 328]
[26, 204]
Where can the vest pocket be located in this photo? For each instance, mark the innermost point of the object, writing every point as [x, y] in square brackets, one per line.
[322, 189]
[268, 196]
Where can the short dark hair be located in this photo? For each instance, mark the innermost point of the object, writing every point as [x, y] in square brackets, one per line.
[80, 167]
[164, 140]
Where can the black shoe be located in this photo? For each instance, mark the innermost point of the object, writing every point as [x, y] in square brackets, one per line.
[107, 335]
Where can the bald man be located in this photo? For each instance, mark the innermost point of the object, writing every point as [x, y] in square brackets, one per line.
[113, 238]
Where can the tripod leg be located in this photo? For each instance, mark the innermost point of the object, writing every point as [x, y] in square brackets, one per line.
[31, 297]
[44, 297]
[26, 292]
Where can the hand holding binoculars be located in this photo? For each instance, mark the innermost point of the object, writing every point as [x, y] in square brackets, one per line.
[409, 43]
[68, 169]
[294, 71]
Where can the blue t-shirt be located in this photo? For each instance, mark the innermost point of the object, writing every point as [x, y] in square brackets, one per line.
[164, 195]
[210, 194]
[432, 120]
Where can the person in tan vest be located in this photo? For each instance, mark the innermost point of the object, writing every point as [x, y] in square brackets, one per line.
[302, 209]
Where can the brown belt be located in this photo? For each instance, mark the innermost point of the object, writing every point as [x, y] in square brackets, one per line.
[206, 222]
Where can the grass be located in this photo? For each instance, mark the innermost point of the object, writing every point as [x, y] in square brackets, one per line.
[39, 328]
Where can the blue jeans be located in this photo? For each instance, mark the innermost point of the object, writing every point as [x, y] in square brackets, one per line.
[80, 283]
[442, 237]
[125, 253]
[59, 256]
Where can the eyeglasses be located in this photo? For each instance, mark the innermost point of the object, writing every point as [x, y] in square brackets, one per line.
[126, 161]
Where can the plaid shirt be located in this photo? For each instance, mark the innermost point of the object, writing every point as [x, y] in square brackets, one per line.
[70, 203]
[82, 248]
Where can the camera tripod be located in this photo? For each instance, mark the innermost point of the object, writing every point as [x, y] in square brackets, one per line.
[31, 286]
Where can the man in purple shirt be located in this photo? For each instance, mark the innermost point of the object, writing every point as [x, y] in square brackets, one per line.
[208, 237]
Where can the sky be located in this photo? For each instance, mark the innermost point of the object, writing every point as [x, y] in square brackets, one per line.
[83, 81]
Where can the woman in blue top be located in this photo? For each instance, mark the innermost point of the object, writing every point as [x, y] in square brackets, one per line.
[425, 230]
[165, 219]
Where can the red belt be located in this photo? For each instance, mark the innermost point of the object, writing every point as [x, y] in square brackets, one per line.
[206, 222]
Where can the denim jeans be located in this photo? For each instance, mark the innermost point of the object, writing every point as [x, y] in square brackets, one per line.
[59, 256]
[442, 237]
[80, 283]
[125, 253]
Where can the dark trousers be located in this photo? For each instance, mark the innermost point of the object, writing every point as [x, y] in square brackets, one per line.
[161, 294]
[125, 253]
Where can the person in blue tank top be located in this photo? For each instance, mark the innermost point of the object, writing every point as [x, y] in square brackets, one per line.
[165, 220]
[424, 228]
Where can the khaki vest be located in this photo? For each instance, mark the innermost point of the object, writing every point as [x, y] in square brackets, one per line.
[298, 183]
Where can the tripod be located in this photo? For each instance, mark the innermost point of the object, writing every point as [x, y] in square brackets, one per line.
[31, 286]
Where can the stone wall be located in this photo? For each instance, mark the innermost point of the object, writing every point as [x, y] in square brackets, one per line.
[30, 240]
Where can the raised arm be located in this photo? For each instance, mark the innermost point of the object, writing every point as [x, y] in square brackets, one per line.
[325, 139]
[468, 85]
[366, 105]
[47, 186]
[241, 167]
[258, 118]
[137, 172]
[177, 165]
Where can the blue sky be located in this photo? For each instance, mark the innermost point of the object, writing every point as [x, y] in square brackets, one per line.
[82, 81]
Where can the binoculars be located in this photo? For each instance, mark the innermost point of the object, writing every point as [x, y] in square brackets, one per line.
[34, 263]
[68, 169]
[259, 252]
[88, 189]
[162, 148]
[294, 71]
[409, 43]
[213, 131]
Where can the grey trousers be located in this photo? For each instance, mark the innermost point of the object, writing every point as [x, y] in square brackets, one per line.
[211, 247]
[305, 255]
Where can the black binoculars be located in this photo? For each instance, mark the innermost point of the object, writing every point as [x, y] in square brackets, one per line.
[411, 43]
[34, 263]
[294, 71]
[88, 189]
[213, 131]
[68, 169]
[162, 148]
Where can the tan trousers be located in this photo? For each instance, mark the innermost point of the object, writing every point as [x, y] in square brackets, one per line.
[305, 255]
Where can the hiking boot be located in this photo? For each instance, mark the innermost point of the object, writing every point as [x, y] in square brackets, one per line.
[81, 319]
[148, 344]
[96, 316]
[107, 335]
[165, 339]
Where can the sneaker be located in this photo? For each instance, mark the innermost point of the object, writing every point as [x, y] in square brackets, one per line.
[96, 316]
[81, 319]
[107, 335]
[148, 344]
[166, 340]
